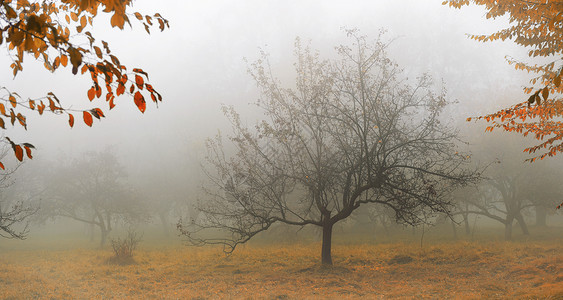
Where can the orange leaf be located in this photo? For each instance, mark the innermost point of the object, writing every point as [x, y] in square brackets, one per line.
[28, 152]
[40, 108]
[140, 101]
[91, 93]
[111, 104]
[87, 118]
[71, 120]
[120, 89]
[117, 20]
[18, 151]
[139, 81]
[99, 112]
[64, 60]
[98, 91]
[2, 166]
[13, 100]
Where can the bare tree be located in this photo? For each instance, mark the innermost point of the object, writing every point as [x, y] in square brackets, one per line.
[16, 205]
[350, 133]
[511, 191]
[92, 190]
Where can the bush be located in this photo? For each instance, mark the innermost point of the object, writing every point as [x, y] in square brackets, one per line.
[123, 248]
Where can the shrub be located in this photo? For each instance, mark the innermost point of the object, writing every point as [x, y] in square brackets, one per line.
[123, 248]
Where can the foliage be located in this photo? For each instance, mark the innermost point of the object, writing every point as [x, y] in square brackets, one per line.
[537, 25]
[350, 134]
[58, 34]
[123, 248]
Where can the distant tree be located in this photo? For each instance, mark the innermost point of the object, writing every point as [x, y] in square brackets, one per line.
[57, 34]
[543, 190]
[350, 133]
[91, 190]
[512, 190]
[539, 26]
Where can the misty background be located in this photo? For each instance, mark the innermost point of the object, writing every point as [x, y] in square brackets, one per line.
[201, 63]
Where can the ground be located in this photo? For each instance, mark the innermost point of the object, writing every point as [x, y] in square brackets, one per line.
[454, 269]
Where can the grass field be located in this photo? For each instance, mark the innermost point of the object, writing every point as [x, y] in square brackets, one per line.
[463, 269]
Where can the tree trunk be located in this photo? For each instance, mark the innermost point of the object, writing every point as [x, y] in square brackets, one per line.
[541, 216]
[466, 224]
[326, 256]
[522, 224]
[104, 235]
[508, 229]
[454, 229]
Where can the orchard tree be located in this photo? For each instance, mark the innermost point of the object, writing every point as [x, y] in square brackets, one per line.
[57, 33]
[92, 190]
[350, 133]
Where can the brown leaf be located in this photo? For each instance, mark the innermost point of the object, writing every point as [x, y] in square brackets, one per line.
[545, 93]
[98, 52]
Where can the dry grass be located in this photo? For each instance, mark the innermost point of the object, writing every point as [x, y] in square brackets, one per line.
[460, 270]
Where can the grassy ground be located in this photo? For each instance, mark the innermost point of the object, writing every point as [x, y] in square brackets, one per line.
[462, 269]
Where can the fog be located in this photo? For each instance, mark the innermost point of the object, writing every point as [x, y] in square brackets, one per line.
[156, 159]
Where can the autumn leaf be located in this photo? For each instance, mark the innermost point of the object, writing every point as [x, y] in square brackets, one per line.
[139, 81]
[28, 152]
[99, 112]
[91, 93]
[38, 29]
[87, 118]
[2, 166]
[140, 101]
[98, 52]
[18, 151]
[12, 100]
[117, 20]
[64, 60]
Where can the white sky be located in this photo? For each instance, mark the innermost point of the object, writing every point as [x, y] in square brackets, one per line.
[198, 64]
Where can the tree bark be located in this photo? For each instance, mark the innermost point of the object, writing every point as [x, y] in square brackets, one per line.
[326, 256]
[454, 229]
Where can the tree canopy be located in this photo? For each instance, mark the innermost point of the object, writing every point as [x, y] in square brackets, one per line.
[351, 133]
[537, 25]
[58, 34]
